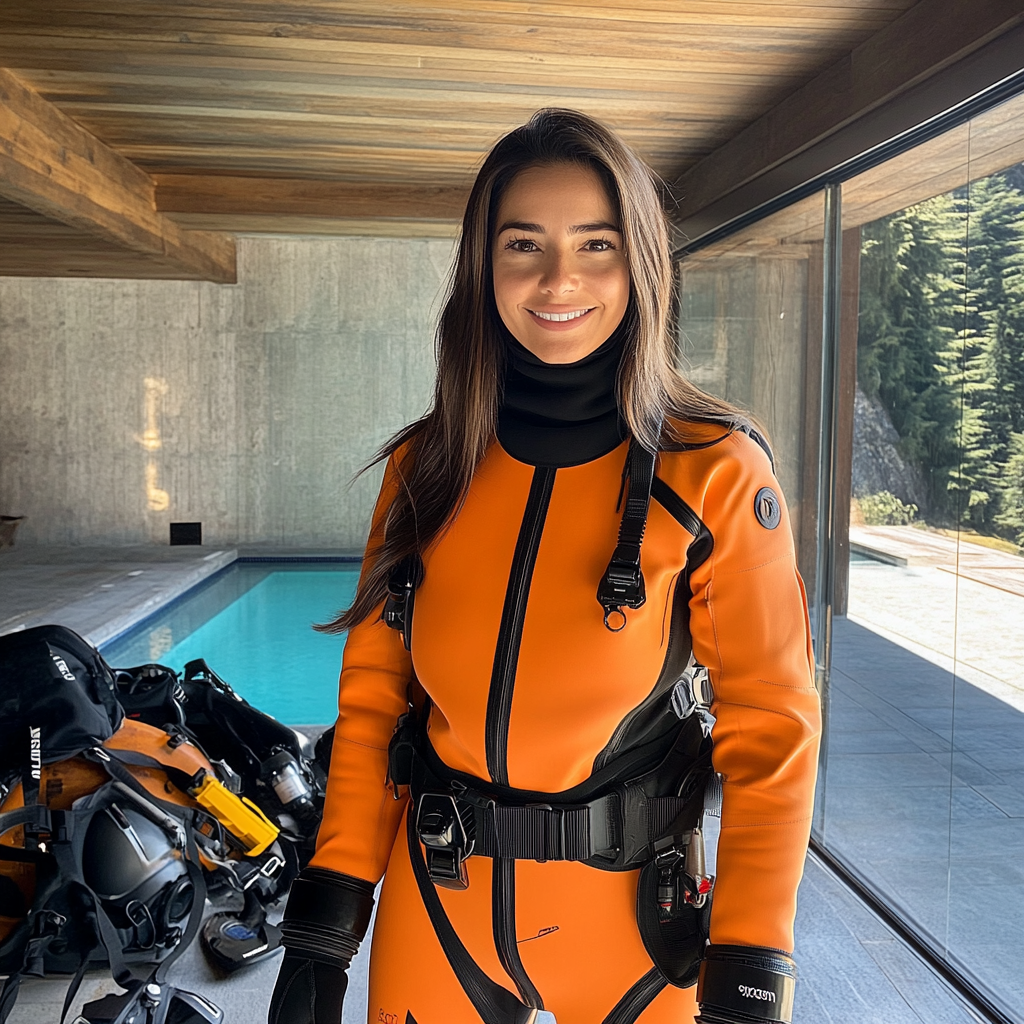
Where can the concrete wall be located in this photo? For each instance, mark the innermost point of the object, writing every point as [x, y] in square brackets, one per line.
[126, 405]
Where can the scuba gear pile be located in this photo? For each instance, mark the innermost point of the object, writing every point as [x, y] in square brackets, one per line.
[110, 829]
[95, 867]
[259, 760]
[269, 763]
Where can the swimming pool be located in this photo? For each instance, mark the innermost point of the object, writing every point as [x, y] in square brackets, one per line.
[252, 623]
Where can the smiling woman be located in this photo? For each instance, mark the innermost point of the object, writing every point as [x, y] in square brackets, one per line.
[561, 283]
[539, 715]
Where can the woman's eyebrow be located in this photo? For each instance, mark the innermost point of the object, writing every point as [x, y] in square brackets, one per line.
[520, 225]
[600, 225]
[576, 229]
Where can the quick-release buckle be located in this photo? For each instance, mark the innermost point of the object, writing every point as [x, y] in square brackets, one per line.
[398, 606]
[621, 586]
[444, 837]
[47, 922]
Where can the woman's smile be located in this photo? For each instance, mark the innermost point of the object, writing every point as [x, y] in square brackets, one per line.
[556, 320]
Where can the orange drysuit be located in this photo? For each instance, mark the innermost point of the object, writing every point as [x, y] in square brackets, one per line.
[509, 643]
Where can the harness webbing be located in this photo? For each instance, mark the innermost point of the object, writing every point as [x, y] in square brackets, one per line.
[637, 998]
[623, 581]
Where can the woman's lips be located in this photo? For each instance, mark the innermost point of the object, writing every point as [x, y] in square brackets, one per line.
[560, 325]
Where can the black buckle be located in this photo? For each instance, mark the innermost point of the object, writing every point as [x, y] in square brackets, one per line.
[621, 586]
[47, 924]
[692, 691]
[445, 838]
[402, 752]
[402, 583]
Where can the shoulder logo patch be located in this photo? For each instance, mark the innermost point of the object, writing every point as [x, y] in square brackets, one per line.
[767, 508]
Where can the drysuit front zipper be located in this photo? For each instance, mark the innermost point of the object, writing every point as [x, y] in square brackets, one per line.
[513, 614]
[499, 710]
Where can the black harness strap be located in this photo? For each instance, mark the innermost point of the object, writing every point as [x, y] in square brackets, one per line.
[623, 582]
[637, 998]
[544, 832]
[494, 1002]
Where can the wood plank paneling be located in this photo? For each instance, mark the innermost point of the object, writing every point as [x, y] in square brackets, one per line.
[929, 37]
[402, 95]
[444, 79]
[987, 144]
[51, 165]
[35, 246]
[225, 194]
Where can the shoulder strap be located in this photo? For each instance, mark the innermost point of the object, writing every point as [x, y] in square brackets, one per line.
[623, 582]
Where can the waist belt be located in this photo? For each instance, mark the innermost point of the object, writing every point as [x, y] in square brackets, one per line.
[615, 829]
[619, 827]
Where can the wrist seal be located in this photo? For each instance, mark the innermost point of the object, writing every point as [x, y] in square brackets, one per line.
[746, 985]
[327, 916]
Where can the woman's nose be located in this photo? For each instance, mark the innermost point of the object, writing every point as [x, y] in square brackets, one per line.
[559, 274]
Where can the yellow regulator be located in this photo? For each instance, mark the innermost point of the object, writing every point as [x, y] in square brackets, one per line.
[240, 816]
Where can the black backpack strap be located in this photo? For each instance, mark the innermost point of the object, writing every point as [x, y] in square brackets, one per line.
[623, 582]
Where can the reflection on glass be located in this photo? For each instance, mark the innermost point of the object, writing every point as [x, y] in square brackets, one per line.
[749, 332]
[925, 772]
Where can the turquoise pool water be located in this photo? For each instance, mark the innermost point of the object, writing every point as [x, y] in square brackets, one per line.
[253, 625]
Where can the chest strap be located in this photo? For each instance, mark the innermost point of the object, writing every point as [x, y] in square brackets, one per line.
[623, 582]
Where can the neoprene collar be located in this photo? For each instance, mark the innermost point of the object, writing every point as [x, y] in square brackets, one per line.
[561, 414]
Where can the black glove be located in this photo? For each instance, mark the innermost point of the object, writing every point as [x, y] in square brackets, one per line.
[745, 985]
[325, 920]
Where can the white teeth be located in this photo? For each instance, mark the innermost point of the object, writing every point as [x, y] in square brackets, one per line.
[561, 316]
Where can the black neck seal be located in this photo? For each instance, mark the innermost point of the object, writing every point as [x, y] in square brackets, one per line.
[561, 414]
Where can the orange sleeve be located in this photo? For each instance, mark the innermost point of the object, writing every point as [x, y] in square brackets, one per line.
[750, 628]
[361, 815]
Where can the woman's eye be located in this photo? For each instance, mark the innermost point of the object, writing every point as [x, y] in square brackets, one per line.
[599, 245]
[522, 245]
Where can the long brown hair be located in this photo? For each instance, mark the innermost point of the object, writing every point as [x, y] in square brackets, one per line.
[436, 456]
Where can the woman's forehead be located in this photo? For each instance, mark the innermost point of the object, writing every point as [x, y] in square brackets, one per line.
[563, 195]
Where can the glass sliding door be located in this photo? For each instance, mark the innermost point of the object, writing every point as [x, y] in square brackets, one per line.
[921, 789]
[924, 781]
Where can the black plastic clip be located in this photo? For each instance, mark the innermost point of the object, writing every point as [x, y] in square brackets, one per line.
[398, 606]
[443, 834]
[621, 586]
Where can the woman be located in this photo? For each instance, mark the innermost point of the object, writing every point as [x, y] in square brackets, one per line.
[549, 856]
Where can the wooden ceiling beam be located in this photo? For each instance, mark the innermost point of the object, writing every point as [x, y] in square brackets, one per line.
[853, 98]
[50, 164]
[227, 195]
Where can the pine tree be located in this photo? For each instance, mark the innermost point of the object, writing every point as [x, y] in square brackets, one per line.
[941, 343]
[908, 318]
[992, 344]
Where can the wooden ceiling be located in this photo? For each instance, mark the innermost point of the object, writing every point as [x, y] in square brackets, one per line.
[988, 143]
[370, 116]
[368, 91]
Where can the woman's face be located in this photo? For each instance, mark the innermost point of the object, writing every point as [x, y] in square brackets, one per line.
[561, 281]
